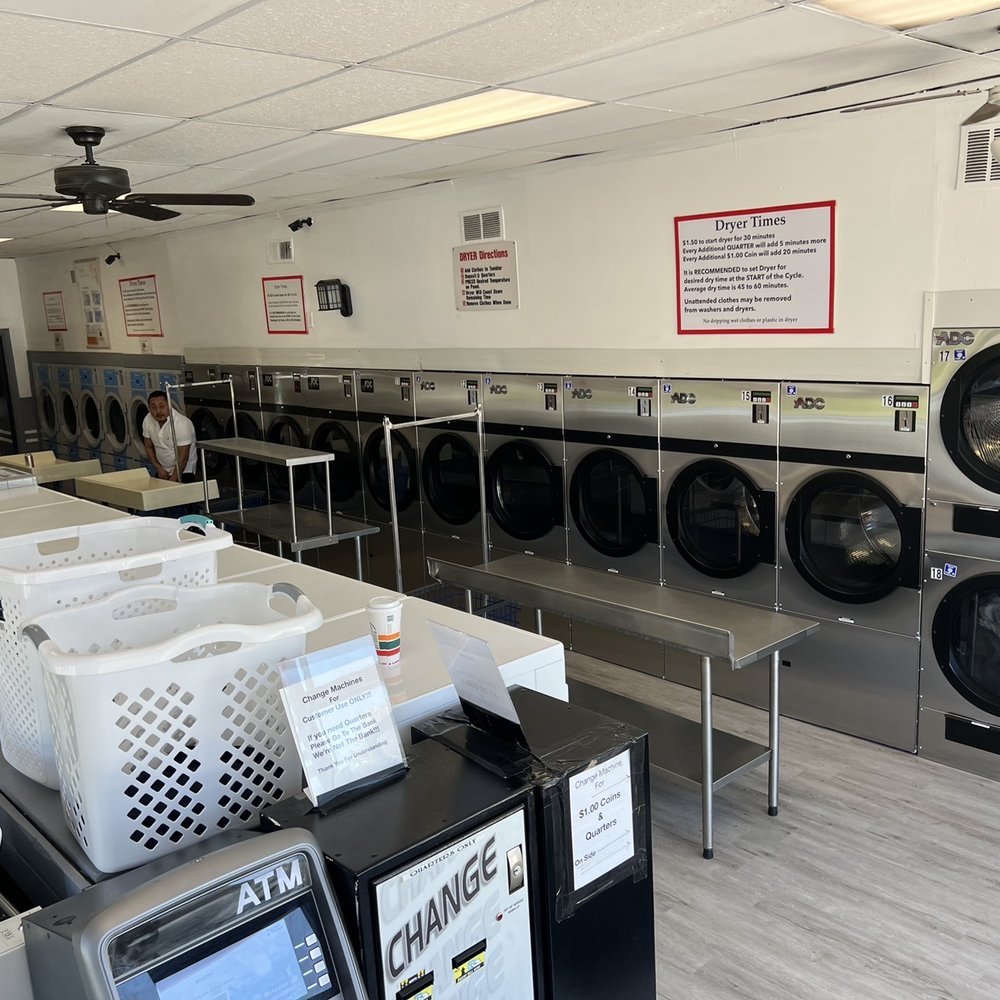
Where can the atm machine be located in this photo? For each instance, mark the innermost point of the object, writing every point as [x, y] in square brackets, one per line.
[253, 919]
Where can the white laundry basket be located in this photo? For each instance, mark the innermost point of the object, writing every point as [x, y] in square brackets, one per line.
[167, 715]
[67, 567]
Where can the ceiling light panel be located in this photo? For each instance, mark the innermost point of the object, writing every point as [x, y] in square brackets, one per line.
[40, 130]
[549, 36]
[189, 79]
[906, 13]
[39, 57]
[354, 95]
[350, 31]
[577, 124]
[315, 151]
[775, 36]
[200, 142]
[172, 18]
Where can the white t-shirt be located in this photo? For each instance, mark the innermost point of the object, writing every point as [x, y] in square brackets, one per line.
[163, 442]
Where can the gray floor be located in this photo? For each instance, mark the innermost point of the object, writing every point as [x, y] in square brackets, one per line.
[879, 877]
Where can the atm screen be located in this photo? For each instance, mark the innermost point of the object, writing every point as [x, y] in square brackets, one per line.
[284, 959]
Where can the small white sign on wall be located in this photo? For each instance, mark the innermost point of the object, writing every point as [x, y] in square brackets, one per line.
[485, 276]
[55, 312]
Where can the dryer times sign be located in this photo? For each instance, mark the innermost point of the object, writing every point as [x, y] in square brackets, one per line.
[759, 270]
[485, 276]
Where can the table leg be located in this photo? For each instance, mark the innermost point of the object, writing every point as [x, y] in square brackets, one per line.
[538, 621]
[707, 769]
[357, 556]
[774, 736]
[298, 555]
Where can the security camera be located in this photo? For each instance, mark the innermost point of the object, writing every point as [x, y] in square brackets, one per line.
[299, 223]
[112, 257]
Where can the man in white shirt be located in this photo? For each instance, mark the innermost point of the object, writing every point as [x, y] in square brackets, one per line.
[158, 430]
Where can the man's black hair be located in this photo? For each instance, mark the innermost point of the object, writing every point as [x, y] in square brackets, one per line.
[157, 394]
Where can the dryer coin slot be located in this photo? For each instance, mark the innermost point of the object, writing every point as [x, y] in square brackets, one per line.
[472, 388]
[551, 390]
[348, 384]
[644, 407]
[906, 421]
[404, 390]
[296, 381]
[760, 413]
[252, 379]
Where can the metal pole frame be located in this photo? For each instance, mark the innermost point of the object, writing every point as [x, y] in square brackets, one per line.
[388, 427]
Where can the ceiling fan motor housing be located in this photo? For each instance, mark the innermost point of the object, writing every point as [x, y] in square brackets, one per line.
[94, 184]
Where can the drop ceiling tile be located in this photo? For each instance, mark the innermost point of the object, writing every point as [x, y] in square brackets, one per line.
[313, 152]
[411, 159]
[187, 79]
[914, 82]
[774, 36]
[201, 142]
[486, 165]
[171, 18]
[354, 95]
[644, 136]
[974, 32]
[16, 167]
[343, 29]
[40, 129]
[575, 124]
[39, 57]
[294, 185]
[6, 110]
[548, 36]
[377, 185]
[892, 55]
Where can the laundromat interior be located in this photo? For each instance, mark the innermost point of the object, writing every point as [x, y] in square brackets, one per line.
[681, 325]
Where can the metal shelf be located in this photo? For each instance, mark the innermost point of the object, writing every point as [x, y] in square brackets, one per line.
[312, 529]
[266, 451]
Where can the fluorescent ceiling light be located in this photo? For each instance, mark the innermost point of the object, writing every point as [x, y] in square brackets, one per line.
[6, 239]
[906, 13]
[77, 207]
[466, 114]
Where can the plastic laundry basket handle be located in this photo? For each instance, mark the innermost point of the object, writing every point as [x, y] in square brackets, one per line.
[307, 618]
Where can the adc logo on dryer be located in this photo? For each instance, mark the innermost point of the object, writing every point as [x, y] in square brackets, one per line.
[497, 390]
[429, 386]
[683, 397]
[954, 338]
[583, 393]
[809, 403]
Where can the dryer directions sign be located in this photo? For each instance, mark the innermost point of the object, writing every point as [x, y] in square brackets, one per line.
[485, 276]
[760, 270]
[141, 306]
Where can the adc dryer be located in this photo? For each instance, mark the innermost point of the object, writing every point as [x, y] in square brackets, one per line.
[285, 419]
[67, 412]
[333, 421]
[851, 473]
[90, 413]
[122, 444]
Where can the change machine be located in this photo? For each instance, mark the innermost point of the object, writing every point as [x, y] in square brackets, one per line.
[253, 920]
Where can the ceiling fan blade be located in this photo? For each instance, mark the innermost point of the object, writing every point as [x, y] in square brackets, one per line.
[238, 200]
[24, 208]
[143, 211]
[38, 197]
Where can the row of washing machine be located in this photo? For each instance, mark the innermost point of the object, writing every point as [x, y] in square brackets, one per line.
[804, 497]
[95, 410]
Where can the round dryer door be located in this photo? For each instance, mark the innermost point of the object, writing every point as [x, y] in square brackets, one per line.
[47, 412]
[613, 504]
[287, 431]
[69, 423]
[138, 411]
[966, 639]
[970, 419]
[851, 539]
[721, 522]
[345, 472]
[450, 469]
[404, 469]
[208, 427]
[525, 493]
[254, 473]
[115, 423]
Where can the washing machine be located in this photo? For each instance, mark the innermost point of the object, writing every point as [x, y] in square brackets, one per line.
[390, 394]
[960, 663]
[91, 413]
[448, 458]
[611, 435]
[334, 427]
[67, 412]
[525, 483]
[852, 461]
[718, 483]
[286, 419]
[122, 448]
[46, 402]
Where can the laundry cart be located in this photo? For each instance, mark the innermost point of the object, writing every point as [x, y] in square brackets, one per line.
[167, 714]
[67, 567]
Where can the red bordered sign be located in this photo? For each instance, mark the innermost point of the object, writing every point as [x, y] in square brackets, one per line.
[285, 304]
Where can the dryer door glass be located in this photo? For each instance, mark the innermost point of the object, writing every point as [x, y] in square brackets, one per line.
[404, 470]
[286, 431]
[207, 427]
[140, 411]
[345, 472]
[50, 422]
[254, 473]
[970, 419]
[612, 503]
[116, 423]
[70, 424]
[966, 637]
[720, 521]
[450, 468]
[850, 538]
[92, 426]
[524, 495]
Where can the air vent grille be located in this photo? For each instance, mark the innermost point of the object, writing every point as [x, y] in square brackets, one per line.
[280, 251]
[976, 163]
[483, 224]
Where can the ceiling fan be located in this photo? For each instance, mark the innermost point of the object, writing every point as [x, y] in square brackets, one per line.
[100, 189]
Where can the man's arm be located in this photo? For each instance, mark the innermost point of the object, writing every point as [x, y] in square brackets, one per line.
[183, 450]
[147, 443]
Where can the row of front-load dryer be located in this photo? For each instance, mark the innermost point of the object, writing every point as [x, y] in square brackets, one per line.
[803, 497]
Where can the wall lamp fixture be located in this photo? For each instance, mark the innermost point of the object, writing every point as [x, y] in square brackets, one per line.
[334, 295]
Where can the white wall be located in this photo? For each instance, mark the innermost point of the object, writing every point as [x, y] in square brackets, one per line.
[596, 259]
[12, 317]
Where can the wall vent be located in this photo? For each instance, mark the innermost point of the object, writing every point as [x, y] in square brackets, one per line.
[280, 251]
[976, 165]
[483, 224]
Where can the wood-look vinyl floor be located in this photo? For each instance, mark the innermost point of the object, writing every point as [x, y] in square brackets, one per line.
[879, 879]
